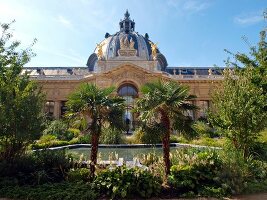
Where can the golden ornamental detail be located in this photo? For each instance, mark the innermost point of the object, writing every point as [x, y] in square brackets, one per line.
[154, 48]
[99, 50]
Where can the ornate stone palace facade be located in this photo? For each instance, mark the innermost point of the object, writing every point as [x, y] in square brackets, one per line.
[126, 60]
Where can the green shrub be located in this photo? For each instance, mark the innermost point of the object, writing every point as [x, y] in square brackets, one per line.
[60, 129]
[80, 174]
[37, 167]
[122, 182]
[239, 172]
[111, 136]
[56, 191]
[85, 139]
[196, 172]
[259, 150]
[48, 138]
[184, 127]
[76, 132]
[207, 141]
[174, 138]
[203, 129]
[146, 136]
[53, 143]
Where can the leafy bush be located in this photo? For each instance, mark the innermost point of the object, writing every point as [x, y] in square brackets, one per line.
[259, 150]
[111, 136]
[203, 129]
[37, 167]
[207, 141]
[184, 127]
[174, 138]
[80, 174]
[197, 173]
[147, 136]
[53, 143]
[85, 139]
[239, 172]
[122, 182]
[60, 129]
[56, 191]
[76, 132]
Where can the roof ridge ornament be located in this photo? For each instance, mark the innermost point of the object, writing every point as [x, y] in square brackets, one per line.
[127, 15]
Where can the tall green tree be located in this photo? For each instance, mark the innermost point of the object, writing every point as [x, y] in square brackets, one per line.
[238, 109]
[240, 105]
[256, 59]
[97, 107]
[21, 101]
[163, 103]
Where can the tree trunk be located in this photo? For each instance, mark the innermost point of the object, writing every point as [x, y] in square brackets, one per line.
[166, 142]
[94, 150]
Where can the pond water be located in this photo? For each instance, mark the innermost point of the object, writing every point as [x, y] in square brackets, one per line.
[126, 153]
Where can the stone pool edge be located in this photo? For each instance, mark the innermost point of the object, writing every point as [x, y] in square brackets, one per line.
[76, 146]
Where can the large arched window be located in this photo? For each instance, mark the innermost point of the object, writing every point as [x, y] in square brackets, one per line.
[129, 92]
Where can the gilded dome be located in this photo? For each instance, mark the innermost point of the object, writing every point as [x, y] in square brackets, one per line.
[126, 45]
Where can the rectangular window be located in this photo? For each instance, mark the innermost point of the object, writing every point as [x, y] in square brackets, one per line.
[49, 108]
[203, 107]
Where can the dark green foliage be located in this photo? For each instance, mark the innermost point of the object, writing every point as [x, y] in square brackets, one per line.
[239, 110]
[111, 136]
[37, 167]
[21, 100]
[238, 172]
[259, 150]
[184, 127]
[197, 173]
[60, 129]
[148, 135]
[163, 103]
[95, 107]
[53, 143]
[202, 128]
[79, 174]
[56, 191]
[123, 183]
[241, 107]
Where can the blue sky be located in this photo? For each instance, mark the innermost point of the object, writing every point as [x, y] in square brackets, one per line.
[189, 32]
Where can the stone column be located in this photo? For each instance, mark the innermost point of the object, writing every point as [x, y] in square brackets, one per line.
[57, 109]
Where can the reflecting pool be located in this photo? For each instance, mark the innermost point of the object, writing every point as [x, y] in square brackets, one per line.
[126, 153]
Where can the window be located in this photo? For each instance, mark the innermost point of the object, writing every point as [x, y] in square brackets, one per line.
[49, 108]
[203, 107]
[129, 93]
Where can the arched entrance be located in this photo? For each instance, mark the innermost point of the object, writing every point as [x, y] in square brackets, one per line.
[129, 92]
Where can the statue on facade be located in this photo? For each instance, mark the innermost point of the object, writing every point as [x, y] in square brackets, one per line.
[210, 71]
[99, 50]
[127, 47]
[153, 50]
[126, 44]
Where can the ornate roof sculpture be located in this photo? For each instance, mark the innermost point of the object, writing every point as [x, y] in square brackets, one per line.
[126, 44]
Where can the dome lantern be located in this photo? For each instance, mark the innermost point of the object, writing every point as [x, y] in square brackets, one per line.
[127, 25]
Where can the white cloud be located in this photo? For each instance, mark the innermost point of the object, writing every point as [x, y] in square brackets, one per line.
[64, 21]
[189, 6]
[248, 19]
[195, 6]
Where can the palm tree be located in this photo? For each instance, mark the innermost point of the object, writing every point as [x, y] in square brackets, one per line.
[97, 107]
[163, 103]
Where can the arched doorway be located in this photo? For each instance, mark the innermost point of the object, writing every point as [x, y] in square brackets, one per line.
[129, 92]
